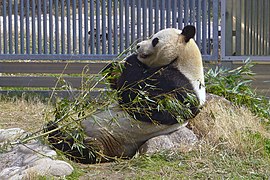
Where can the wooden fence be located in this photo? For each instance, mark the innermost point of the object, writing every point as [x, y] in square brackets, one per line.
[35, 75]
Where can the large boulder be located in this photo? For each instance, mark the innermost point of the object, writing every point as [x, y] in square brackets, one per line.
[24, 161]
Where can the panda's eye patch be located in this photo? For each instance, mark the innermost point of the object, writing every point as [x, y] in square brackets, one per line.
[155, 42]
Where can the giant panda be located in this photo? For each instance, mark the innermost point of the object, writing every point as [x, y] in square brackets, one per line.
[167, 63]
[157, 71]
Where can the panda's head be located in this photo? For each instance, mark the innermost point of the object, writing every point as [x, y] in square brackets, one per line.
[168, 45]
[178, 48]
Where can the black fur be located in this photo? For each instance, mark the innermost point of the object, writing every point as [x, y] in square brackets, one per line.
[155, 42]
[189, 32]
[61, 141]
[166, 80]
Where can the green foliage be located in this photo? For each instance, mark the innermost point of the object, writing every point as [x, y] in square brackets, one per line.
[235, 85]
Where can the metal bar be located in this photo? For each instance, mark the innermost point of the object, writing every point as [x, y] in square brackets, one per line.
[139, 19]
[97, 35]
[127, 38]
[150, 17]
[58, 56]
[45, 28]
[86, 57]
[144, 8]
[174, 18]
[251, 28]
[115, 27]
[91, 43]
[80, 26]
[39, 30]
[209, 28]
[34, 39]
[192, 12]
[267, 24]
[51, 27]
[180, 14]
[16, 37]
[186, 11]
[110, 32]
[157, 9]
[198, 24]
[27, 28]
[74, 27]
[63, 31]
[215, 30]
[204, 26]
[238, 29]
[57, 43]
[104, 36]
[52, 67]
[86, 37]
[121, 25]
[168, 14]
[162, 14]
[10, 27]
[133, 21]
[68, 28]
[22, 26]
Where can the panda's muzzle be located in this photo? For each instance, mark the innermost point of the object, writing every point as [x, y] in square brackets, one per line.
[143, 55]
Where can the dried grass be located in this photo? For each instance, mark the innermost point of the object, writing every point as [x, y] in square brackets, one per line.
[220, 123]
[26, 114]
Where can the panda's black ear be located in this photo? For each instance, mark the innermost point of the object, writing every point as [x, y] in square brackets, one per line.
[189, 32]
[155, 42]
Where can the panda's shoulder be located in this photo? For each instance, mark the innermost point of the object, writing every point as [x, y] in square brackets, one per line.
[172, 74]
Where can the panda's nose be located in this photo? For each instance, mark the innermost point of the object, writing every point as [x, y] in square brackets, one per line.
[138, 46]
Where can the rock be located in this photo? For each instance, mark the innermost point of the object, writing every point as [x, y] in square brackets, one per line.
[23, 161]
[182, 138]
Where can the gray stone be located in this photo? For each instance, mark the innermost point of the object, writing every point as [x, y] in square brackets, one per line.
[22, 161]
[183, 137]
